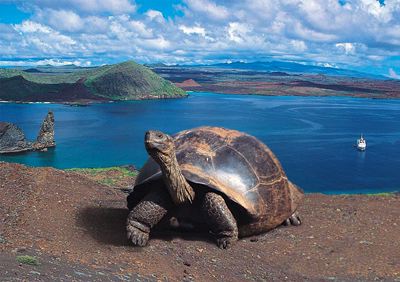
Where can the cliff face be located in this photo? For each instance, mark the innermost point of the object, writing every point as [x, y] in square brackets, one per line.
[13, 140]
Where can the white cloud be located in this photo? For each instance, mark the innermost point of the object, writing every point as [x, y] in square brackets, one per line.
[348, 48]
[298, 45]
[393, 74]
[237, 32]
[193, 30]
[327, 65]
[88, 6]
[155, 15]
[209, 8]
[140, 28]
[358, 33]
[43, 38]
[32, 27]
[52, 62]
[64, 20]
[374, 8]
[58, 62]
[157, 43]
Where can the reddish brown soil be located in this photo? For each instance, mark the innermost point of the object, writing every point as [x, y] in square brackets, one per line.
[67, 216]
[377, 89]
[187, 83]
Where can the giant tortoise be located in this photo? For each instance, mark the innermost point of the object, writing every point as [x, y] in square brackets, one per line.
[231, 178]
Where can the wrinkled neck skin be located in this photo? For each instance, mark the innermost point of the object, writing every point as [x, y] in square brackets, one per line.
[179, 189]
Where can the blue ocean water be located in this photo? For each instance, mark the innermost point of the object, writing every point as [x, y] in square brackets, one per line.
[313, 137]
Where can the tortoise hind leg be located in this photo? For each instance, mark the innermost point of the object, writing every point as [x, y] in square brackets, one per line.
[146, 215]
[220, 220]
[294, 220]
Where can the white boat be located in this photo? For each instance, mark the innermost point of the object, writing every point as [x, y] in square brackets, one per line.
[361, 143]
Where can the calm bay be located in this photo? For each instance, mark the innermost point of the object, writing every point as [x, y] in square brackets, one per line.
[313, 137]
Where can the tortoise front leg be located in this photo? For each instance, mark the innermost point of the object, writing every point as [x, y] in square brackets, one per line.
[220, 220]
[146, 215]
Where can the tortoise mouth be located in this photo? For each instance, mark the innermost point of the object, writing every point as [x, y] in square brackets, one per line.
[156, 142]
[151, 145]
[150, 140]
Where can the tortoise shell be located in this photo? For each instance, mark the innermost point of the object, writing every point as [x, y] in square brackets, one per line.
[234, 164]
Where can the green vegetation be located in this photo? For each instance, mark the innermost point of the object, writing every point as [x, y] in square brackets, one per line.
[27, 260]
[124, 81]
[118, 176]
[383, 194]
[386, 194]
[94, 171]
[127, 81]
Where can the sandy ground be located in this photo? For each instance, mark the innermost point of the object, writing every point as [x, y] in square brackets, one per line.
[76, 228]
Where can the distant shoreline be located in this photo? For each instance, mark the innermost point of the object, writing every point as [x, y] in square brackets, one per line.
[189, 92]
[298, 95]
[246, 91]
[278, 83]
[90, 102]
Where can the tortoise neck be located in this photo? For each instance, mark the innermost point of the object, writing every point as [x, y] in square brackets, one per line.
[179, 189]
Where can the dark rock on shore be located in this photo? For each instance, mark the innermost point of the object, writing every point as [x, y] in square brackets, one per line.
[45, 137]
[13, 140]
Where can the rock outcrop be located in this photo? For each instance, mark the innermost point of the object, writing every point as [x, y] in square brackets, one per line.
[13, 140]
[45, 137]
[187, 83]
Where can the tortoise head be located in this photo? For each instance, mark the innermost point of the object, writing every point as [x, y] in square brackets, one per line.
[161, 148]
[158, 144]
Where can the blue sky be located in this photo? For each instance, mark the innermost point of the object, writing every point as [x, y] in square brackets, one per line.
[355, 34]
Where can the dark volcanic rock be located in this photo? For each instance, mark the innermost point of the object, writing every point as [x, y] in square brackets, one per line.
[45, 137]
[12, 139]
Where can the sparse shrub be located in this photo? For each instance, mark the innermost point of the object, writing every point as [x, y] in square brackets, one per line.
[27, 260]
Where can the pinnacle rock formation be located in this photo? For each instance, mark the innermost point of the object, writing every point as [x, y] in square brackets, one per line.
[45, 137]
[13, 140]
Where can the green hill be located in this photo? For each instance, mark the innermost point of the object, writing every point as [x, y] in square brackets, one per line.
[124, 81]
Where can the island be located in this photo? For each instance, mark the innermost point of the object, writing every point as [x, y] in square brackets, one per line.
[78, 85]
[13, 140]
[279, 79]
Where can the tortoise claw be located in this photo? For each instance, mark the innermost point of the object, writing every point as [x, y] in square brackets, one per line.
[294, 220]
[137, 236]
[225, 242]
[286, 222]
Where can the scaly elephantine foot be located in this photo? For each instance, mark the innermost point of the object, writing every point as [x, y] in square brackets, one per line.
[137, 233]
[294, 220]
[225, 242]
[226, 239]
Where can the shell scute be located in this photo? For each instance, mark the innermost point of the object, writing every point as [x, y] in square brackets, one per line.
[233, 170]
[264, 163]
[200, 140]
